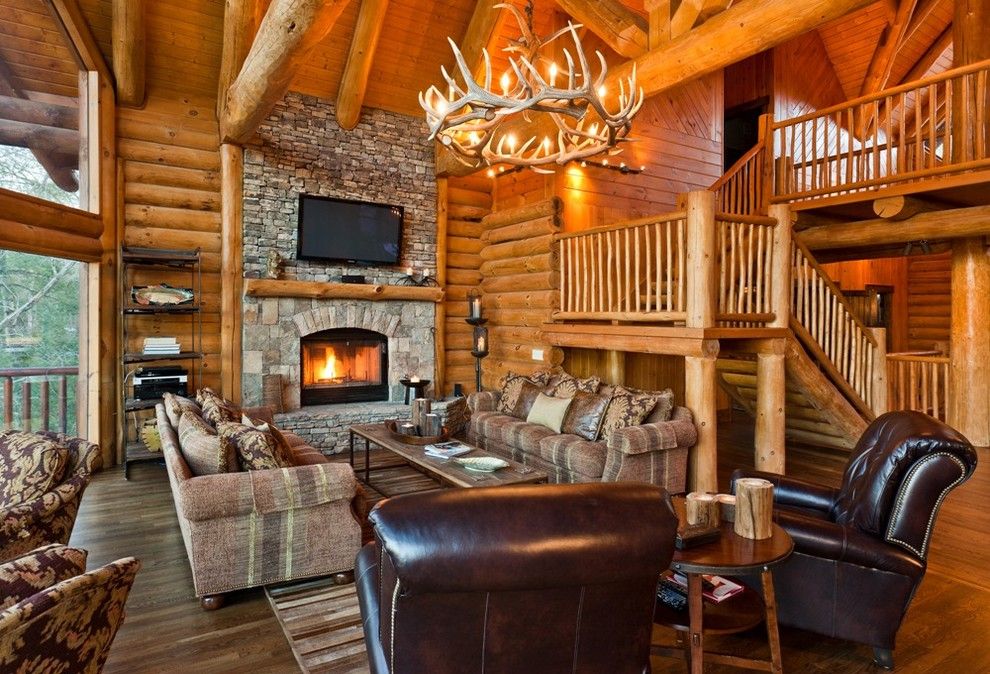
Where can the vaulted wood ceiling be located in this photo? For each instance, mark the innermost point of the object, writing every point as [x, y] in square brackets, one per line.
[35, 57]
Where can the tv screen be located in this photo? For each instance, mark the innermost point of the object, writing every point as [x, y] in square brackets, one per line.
[353, 231]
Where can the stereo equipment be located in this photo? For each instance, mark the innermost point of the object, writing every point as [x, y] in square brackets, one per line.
[151, 383]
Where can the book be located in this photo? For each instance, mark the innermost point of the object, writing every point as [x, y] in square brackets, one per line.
[713, 588]
[674, 598]
[447, 450]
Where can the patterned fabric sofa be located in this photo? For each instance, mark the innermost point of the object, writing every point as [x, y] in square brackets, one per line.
[250, 528]
[56, 618]
[42, 479]
[646, 452]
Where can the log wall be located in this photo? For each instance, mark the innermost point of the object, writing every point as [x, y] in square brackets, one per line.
[889, 271]
[469, 199]
[640, 370]
[929, 300]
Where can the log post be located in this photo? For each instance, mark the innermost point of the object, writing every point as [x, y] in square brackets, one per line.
[879, 402]
[700, 389]
[615, 367]
[701, 273]
[970, 340]
[771, 401]
[129, 51]
[440, 308]
[780, 292]
[231, 269]
[354, 81]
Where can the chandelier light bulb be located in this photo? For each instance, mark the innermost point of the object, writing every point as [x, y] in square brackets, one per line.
[491, 173]
[602, 90]
[505, 83]
[511, 140]
[553, 74]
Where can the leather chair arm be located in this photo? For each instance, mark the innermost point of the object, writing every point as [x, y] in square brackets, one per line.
[828, 540]
[366, 578]
[791, 492]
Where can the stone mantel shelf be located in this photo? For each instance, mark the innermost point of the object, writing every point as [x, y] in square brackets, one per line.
[256, 287]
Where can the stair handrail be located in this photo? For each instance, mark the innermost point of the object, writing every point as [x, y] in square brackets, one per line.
[740, 190]
[920, 380]
[858, 375]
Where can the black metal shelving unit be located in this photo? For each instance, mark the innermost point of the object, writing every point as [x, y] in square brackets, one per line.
[133, 411]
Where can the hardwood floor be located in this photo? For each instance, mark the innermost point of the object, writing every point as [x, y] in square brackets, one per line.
[166, 630]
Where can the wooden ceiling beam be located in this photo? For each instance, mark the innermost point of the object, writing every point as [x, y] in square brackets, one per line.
[660, 12]
[932, 226]
[931, 55]
[685, 17]
[47, 139]
[239, 24]
[59, 169]
[287, 34]
[485, 25]
[128, 51]
[354, 81]
[710, 8]
[878, 72]
[922, 15]
[620, 28]
[34, 112]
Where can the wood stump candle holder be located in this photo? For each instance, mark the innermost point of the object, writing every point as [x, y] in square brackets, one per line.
[727, 507]
[702, 508]
[754, 508]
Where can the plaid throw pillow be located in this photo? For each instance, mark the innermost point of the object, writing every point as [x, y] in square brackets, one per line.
[201, 447]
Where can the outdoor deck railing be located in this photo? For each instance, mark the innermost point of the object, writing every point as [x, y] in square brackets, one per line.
[29, 395]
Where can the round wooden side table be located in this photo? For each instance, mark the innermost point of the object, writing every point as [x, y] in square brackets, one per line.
[729, 555]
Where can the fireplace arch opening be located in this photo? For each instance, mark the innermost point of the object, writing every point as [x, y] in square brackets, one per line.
[343, 365]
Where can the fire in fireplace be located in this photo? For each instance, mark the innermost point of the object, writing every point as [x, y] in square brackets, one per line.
[343, 365]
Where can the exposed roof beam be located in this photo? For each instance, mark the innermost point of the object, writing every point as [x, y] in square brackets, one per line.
[239, 24]
[892, 38]
[354, 81]
[934, 226]
[34, 112]
[685, 16]
[48, 139]
[289, 31]
[620, 28]
[60, 169]
[922, 14]
[129, 51]
[931, 55]
[660, 12]
[710, 8]
[486, 22]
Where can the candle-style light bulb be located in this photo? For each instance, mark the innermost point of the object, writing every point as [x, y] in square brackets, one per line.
[491, 173]
[511, 140]
[504, 81]
[553, 73]
[546, 144]
[602, 91]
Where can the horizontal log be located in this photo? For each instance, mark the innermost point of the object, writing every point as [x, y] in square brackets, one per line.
[466, 228]
[477, 183]
[319, 290]
[168, 155]
[42, 215]
[519, 282]
[524, 248]
[47, 139]
[463, 358]
[43, 241]
[514, 334]
[520, 317]
[935, 225]
[523, 230]
[816, 439]
[170, 176]
[512, 216]
[462, 261]
[464, 212]
[466, 197]
[172, 218]
[458, 341]
[521, 265]
[36, 112]
[463, 277]
[552, 356]
[171, 197]
[460, 244]
[532, 299]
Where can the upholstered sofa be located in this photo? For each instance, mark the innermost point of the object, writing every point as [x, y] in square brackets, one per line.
[250, 528]
[42, 479]
[656, 453]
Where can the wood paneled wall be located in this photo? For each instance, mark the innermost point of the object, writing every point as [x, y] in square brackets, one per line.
[889, 271]
[929, 300]
[469, 199]
[642, 370]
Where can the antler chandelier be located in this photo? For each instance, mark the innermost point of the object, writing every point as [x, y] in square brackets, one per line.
[472, 119]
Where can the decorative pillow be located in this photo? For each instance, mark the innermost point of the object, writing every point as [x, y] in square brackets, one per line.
[255, 450]
[585, 415]
[201, 447]
[217, 409]
[176, 405]
[511, 387]
[665, 403]
[565, 386]
[549, 411]
[285, 447]
[34, 571]
[30, 466]
[625, 409]
[527, 396]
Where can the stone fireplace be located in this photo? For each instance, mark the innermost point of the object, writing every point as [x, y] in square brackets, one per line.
[343, 365]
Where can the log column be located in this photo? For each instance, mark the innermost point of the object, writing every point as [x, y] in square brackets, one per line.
[771, 390]
[969, 337]
[700, 397]
[231, 269]
[440, 308]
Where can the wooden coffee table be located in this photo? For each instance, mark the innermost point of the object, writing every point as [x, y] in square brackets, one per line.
[445, 471]
[729, 555]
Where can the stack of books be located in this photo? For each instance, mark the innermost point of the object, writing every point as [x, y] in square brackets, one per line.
[713, 588]
[447, 450]
[164, 346]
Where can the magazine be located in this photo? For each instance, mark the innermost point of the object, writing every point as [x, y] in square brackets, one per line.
[713, 588]
[447, 450]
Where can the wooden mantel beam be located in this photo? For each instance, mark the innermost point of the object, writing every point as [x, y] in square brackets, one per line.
[620, 28]
[932, 226]
[354, 82]
[129, 51]
[289, 31]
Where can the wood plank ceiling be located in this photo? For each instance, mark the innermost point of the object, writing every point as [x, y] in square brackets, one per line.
[35, 57]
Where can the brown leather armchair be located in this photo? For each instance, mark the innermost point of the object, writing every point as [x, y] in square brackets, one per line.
[860, 550]
[537, 578]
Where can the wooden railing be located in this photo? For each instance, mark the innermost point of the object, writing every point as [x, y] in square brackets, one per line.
[846, 349]
[742, 189]
[935, 126]
[633, 271]
[745, 269]
[27, 397]
[919, 381]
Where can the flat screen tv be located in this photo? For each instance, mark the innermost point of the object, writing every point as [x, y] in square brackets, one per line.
[350, 231]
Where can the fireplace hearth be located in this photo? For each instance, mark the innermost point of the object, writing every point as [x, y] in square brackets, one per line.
[343, 365]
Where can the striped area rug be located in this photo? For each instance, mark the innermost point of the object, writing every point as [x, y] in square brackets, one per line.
[322, 624]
